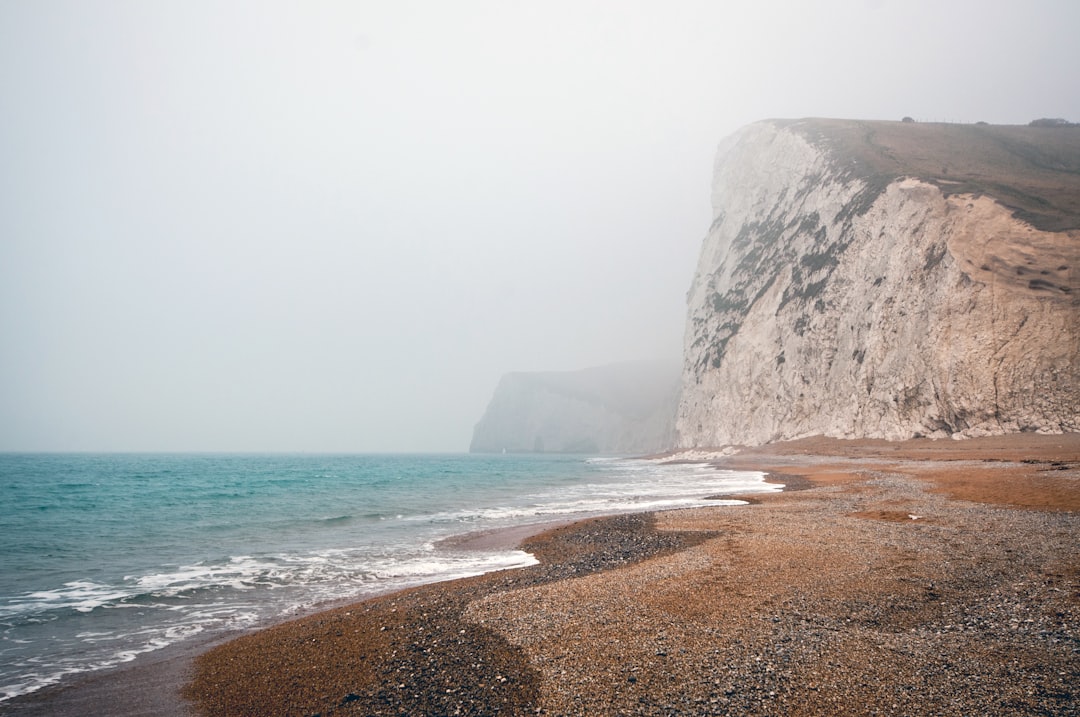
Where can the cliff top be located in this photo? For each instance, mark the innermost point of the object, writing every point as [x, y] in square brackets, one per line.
[1034, 171]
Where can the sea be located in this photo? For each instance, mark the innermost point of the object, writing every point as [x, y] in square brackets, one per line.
[105, 557]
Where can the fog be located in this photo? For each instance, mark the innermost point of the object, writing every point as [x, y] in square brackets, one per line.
[332, 226]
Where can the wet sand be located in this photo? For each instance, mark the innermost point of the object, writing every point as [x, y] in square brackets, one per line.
[923, 577]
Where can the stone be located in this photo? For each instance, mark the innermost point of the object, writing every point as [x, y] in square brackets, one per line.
[844, 290]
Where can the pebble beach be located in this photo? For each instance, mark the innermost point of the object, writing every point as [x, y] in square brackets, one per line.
[914, 578]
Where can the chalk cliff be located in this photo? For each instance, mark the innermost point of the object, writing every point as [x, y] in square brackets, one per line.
[888, 280]
[626, 408]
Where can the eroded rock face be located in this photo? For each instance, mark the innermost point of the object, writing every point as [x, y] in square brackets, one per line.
[835, 298]
[626, 408]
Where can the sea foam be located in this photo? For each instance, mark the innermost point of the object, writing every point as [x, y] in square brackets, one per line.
[110, 557]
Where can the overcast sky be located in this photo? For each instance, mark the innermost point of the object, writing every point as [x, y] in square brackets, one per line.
[332, 226]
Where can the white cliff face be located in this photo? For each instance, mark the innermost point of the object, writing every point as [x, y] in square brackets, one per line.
[829, 301]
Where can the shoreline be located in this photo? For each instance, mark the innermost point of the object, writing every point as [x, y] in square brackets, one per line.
[529, 625]
[505, 538]
[121, 690]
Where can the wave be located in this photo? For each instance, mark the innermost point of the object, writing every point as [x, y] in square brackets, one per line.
[336, 520]
[190, 600]
[349, 568]
[640, 486]
[88, 620]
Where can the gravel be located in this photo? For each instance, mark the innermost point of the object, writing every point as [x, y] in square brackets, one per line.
[874, 595]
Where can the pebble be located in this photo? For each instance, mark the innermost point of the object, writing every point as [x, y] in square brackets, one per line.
[792, 606]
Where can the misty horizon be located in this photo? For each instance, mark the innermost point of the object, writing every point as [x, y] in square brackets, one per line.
[332, 228]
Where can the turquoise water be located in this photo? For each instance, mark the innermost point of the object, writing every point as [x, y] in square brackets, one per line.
[105, 557]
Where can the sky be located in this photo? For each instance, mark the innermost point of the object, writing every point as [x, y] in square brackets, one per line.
[333, 226]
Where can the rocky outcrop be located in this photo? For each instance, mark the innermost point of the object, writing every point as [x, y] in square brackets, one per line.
[886, 280]
[626, 408]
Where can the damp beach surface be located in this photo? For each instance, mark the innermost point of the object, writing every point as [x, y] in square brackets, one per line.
[121, 559]
[890, 578]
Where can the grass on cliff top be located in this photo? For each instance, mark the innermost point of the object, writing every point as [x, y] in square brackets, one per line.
[1034, 171]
